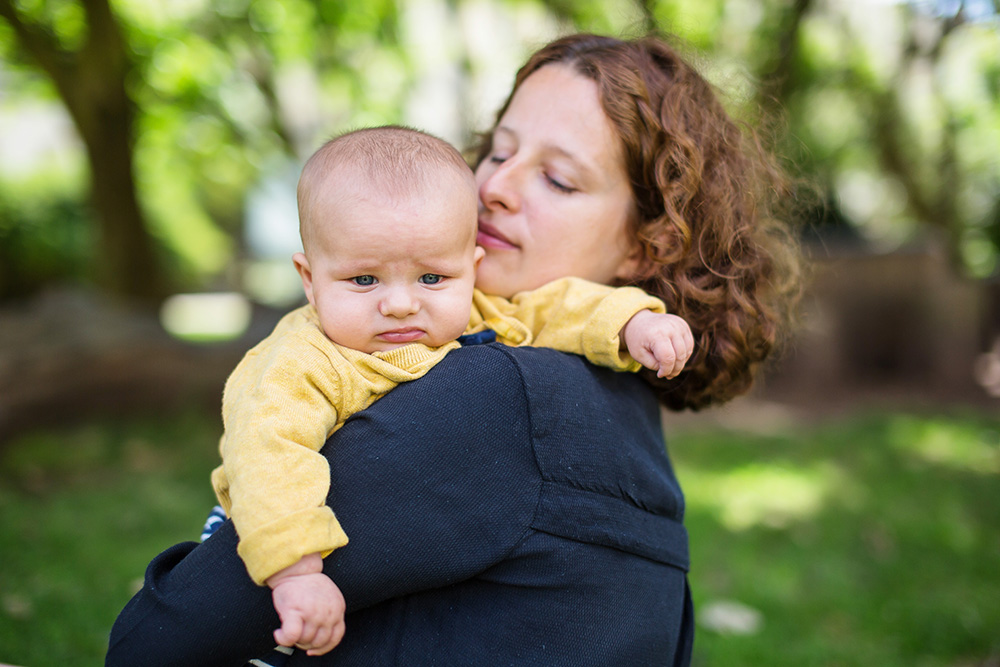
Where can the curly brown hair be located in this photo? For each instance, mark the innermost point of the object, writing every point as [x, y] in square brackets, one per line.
[706, 195]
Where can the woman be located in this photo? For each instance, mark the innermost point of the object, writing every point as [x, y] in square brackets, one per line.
[543, 519]
[679, 199]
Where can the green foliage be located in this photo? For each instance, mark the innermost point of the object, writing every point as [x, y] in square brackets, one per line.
[869, 541]
[64, 17]
[45, 237]
[697, 22]
[892, 109]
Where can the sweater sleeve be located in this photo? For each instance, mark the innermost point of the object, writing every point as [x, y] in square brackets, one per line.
[279, 406]
[574, 315]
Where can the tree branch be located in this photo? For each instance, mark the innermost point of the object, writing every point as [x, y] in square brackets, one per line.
[649, 16]
[947, 28]
[889, 142]
[103, 26]
[40, 45]
[777, 83]
[263, 75]
[933, 200]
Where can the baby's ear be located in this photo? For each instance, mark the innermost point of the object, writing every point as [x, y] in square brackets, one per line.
[305, 273]
[478, 257]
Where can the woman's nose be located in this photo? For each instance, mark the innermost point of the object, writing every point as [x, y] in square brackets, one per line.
[398, 302]
[501, 189]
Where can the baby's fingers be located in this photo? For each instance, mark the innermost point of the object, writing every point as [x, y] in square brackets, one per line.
[646, 356]
[661, 358]
[671, 355]
[326, 641]
[290, 632]
[686, 345]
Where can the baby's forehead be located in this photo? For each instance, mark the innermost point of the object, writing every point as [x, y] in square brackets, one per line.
[428, 219]
[418, 177]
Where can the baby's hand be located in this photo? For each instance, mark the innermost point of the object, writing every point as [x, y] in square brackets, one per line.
[662, 343]
[310, 606]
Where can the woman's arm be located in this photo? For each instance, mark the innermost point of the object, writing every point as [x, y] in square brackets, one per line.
[436, 482]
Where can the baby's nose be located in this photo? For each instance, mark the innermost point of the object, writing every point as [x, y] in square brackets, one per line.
[398, 303]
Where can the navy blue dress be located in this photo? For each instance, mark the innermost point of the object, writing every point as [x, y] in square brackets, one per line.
[512, 507]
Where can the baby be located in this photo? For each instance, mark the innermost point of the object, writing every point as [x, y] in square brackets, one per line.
[388, 224]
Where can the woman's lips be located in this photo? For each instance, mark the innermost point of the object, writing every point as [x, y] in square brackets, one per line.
[407, 335]
[489, 237]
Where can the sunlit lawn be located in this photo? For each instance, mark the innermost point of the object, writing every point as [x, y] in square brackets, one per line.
[872, 541]
[869, 541]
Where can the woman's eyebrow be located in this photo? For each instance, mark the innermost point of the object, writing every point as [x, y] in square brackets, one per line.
[578, 162]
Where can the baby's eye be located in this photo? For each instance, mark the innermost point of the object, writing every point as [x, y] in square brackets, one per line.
[363, 281]
[431, 278]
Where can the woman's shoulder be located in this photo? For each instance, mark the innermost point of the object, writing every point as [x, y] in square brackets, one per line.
[544, 376]
[564, 380]
[490, 387]
[570, 404]
[595, 437]
[493, 387]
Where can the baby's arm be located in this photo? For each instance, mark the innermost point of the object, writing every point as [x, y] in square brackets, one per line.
[279, 406]
[582, 317]
[310, 606]
[278, 412]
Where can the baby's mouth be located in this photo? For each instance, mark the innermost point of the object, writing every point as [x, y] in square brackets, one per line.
[403, 335]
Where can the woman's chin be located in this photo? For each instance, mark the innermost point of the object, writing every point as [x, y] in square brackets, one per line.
[496, 281]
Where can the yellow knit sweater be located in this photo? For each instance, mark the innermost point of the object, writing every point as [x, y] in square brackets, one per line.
[296, 387]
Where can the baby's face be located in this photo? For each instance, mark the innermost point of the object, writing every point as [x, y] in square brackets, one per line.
[387, 273]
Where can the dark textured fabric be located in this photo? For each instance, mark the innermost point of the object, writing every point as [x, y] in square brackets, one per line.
[512, 507]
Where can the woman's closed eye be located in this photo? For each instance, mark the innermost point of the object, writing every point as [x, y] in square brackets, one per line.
[554, 183]
[558, 185]
[364, 281]
[498, 157]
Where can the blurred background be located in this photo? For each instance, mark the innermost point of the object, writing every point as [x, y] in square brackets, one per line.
[847, 512]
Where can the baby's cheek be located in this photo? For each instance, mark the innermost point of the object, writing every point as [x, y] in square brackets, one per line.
[457, 319]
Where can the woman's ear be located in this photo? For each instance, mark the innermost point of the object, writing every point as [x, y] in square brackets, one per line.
[305, 273]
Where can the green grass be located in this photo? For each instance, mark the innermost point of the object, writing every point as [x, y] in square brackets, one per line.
[867, 541]
[871, 541]
[81, 514]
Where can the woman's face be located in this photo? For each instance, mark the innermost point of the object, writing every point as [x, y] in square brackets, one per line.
[555, 200]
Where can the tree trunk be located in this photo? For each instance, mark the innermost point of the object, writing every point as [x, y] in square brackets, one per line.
[127, 263]
[91, 83]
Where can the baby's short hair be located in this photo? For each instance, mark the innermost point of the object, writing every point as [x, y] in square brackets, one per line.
[394, 159]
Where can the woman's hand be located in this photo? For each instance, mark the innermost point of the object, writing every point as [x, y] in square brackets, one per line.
[660, 342]
[310, 605]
